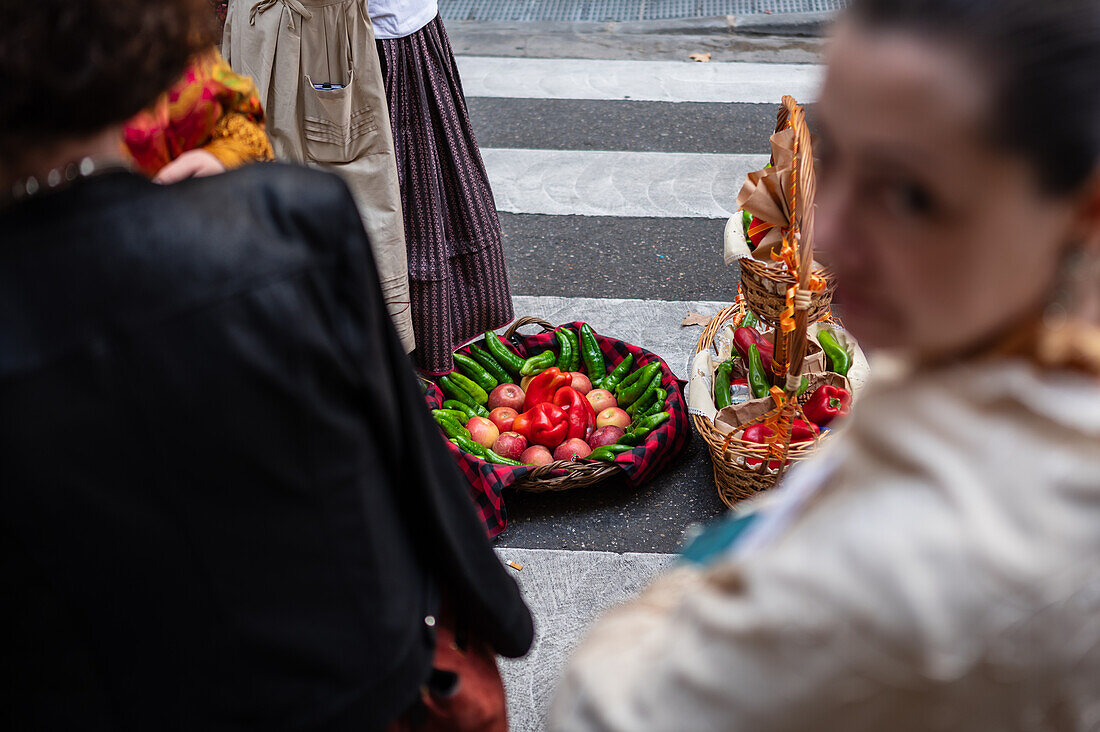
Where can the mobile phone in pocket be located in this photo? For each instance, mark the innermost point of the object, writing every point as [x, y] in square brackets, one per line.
[327, 86]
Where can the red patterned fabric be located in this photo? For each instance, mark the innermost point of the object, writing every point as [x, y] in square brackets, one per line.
[488, 480]
[458, 283]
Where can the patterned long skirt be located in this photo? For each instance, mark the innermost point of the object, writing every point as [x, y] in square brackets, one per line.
[457, 279]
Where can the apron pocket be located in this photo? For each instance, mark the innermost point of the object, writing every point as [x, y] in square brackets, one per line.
[338, 124]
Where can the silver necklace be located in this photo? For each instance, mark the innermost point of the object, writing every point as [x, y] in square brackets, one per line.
[62, 177]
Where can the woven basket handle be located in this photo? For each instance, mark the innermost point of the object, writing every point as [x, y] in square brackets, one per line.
[527, 320]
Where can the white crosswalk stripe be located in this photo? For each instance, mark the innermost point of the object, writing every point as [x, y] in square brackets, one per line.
[652, 81]
[617, 183]
[568, 589]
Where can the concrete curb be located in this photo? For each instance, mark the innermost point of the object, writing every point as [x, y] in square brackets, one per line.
[778, 24]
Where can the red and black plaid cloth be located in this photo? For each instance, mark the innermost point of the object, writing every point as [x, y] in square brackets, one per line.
[488, 480]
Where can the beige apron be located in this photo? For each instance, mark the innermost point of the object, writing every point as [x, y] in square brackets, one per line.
[288, 47]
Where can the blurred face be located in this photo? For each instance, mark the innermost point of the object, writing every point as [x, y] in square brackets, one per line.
[941, 241]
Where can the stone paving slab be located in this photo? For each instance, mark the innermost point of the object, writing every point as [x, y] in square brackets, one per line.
[566, 591]
[650, 324]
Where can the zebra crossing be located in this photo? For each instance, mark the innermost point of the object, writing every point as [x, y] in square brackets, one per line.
[613, 180]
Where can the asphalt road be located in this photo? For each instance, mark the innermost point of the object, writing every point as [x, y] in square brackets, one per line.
[653, 258]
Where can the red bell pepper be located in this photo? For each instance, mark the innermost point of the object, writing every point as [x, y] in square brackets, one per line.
[827, 403]
[579, 411]
[745, 337]
[543, 387]
[761, 433]
[544, 424]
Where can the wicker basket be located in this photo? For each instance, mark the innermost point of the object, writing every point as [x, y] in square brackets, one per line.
[765, 287]
[560, 475]
[740, 467]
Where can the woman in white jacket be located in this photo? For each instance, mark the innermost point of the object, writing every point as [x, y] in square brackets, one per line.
[939, 566]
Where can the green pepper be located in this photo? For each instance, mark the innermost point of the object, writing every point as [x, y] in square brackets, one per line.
[490, 364]
[722, 383]
[657, 405]
[457, 406]
[647, 396]
[641, 430]
[575, 364]
[631, 393]
[803, 386]
[468, 445]
[474, 371]
[749, 321]
[839, 360]
[537, 364]
[454, 391]
[608, 453]
[618, 373]
[757, 377]
[502, 353]
[627, 382]
[565, 350]
[467, 385]
[500, 459]
[746, 222]
[651, 423]
[457, 415]
[451, 427]
[591, 353]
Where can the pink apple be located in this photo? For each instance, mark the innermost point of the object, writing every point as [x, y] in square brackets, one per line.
[503, 417]
[506, 395]
[536, 455]
[482, 431]
[580, 382]
[510, 445]
[612, 416]
[607, 435]
[601, 399]
[571, 448]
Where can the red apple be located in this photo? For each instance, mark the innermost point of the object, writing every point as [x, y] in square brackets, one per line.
[536, 455]
[580, 382]
[608, 435]
[571, 448]
[482, 431]
[510, 445]
[503, 417]
[612, 416]
[506, 395]
[601, 399]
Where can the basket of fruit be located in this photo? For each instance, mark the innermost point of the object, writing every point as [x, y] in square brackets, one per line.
[768, 378]
[739, 384]
[561, 409]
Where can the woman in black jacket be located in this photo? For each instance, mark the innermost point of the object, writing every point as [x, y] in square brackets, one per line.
[224, 505]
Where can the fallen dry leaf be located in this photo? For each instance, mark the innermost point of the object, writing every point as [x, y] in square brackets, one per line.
[694, 318]
[700, 57]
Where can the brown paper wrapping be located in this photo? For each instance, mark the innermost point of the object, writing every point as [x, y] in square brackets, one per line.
[731, 418]
[764, 194]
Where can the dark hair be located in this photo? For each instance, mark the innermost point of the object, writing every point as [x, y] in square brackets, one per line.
[70, 68]
[1044, 57]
